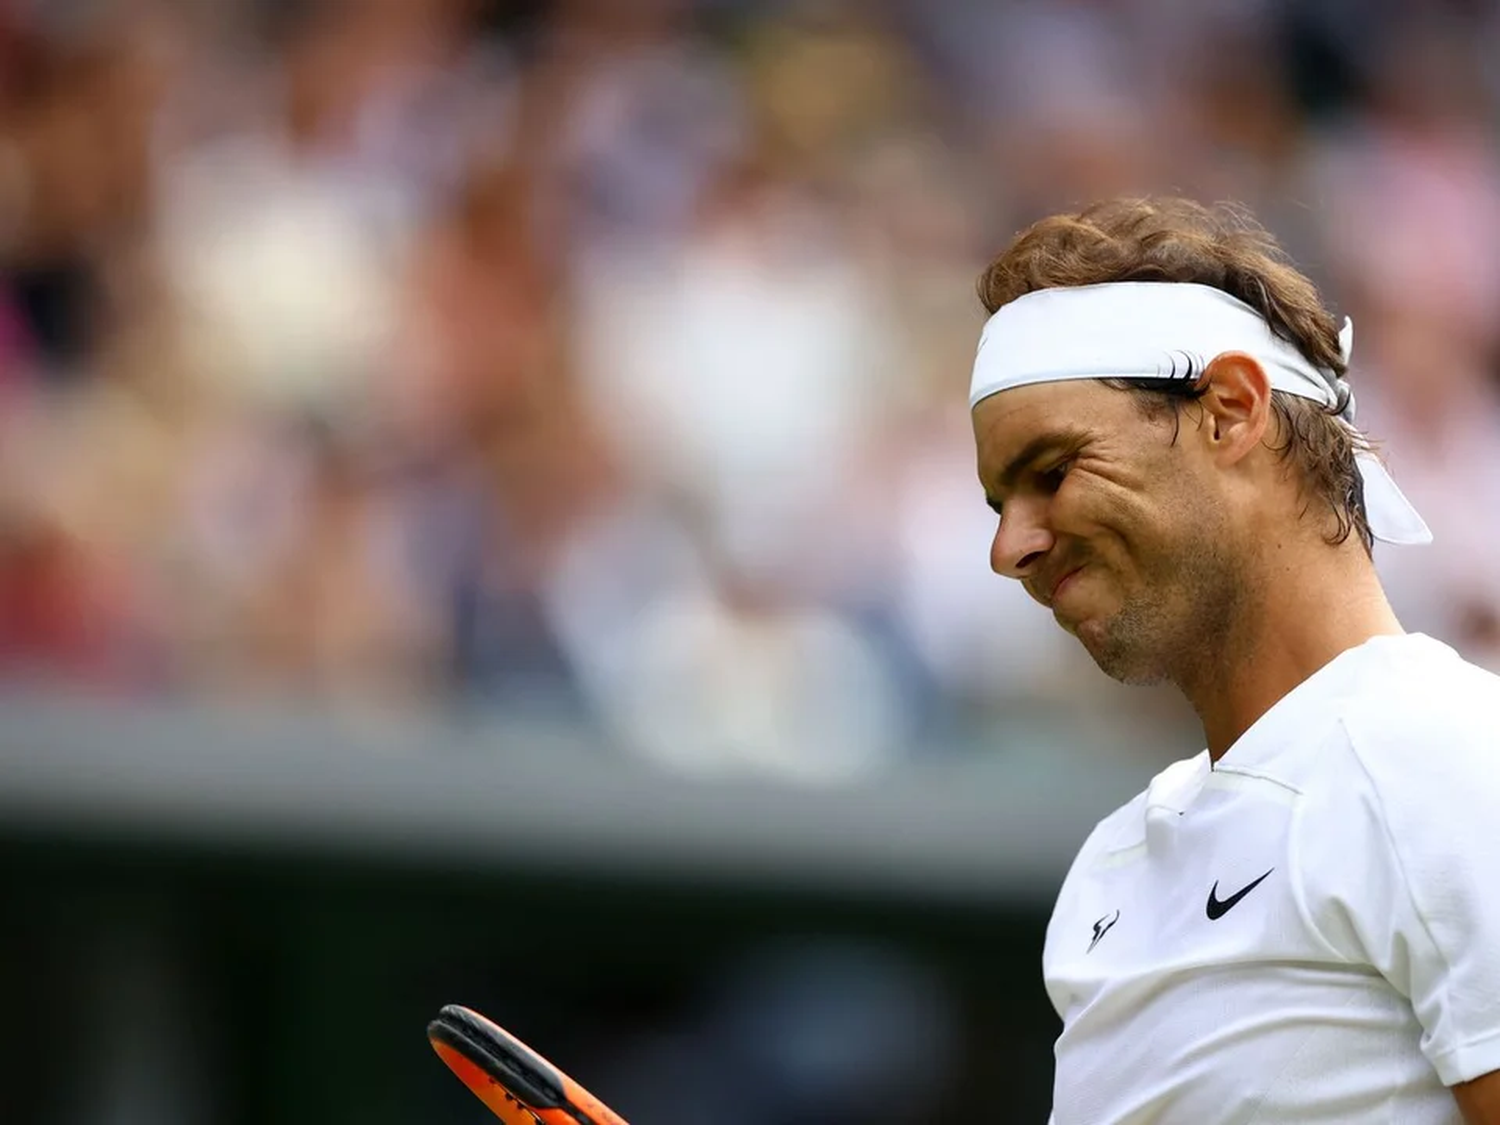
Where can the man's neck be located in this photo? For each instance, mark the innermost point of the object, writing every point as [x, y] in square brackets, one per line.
[1298, 619]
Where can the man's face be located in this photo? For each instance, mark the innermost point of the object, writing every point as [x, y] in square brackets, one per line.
[1122, 531]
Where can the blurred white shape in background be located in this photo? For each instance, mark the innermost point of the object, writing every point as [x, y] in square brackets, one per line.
[740, 372]
[720, 689]
[286, 272]
[718, 674]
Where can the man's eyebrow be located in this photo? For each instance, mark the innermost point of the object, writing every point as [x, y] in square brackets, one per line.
[1032, 452]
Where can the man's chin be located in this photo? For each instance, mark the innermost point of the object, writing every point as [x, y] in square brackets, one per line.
[1116, 657]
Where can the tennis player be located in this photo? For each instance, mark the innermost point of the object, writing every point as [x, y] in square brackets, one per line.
[1302, 923]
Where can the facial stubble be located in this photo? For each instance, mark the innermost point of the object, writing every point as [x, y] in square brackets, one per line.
[1178, 622]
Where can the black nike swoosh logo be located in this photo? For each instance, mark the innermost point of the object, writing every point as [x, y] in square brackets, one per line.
[1217, 908]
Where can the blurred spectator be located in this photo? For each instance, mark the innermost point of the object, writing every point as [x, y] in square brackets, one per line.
[609, 360]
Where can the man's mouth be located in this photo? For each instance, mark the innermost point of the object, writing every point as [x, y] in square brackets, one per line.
[1062, 584]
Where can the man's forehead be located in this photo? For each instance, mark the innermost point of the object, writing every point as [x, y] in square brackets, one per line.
[1015, 417]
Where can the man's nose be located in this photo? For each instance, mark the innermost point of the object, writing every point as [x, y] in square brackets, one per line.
[1021, 541]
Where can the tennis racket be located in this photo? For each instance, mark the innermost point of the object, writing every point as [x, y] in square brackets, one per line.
[518, 1085]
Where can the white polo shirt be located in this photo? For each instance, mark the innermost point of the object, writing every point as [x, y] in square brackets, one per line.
[1308, 930]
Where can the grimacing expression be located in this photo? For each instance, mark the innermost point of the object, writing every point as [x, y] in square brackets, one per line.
[1112, 518]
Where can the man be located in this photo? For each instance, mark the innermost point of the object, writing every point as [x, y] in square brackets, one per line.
[1302, 923]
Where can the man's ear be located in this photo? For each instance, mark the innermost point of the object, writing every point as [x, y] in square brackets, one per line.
[1236, 404]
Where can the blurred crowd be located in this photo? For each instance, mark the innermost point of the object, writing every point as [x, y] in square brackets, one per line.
[608, 358]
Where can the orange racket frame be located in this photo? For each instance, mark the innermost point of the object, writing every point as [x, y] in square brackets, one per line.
[517, 1084]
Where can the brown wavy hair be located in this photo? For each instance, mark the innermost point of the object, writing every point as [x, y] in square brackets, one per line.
[1179, 240]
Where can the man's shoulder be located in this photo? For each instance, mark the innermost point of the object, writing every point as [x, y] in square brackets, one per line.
[1420, 740]
[1390, 697]
[1426, 697]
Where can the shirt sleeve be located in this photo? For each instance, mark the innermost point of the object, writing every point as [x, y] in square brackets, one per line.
[1402, 872]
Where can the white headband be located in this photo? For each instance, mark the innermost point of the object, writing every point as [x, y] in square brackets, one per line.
[1168, 330]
